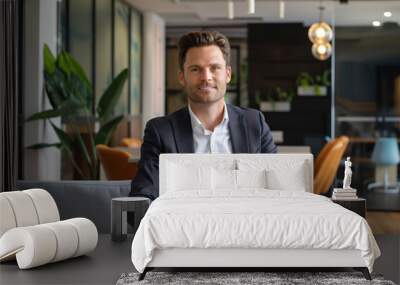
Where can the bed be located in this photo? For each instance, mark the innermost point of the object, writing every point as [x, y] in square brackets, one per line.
[247, 210]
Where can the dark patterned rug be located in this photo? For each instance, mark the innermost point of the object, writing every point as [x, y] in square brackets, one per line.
[242, 278]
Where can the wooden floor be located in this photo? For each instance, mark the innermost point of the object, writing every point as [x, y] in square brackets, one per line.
[384, 222]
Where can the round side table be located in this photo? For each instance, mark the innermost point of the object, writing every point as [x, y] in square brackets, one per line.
[119, 208]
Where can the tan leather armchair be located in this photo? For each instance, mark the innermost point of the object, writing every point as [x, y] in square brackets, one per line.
[131, 142]
[327, 163]
[116, 163]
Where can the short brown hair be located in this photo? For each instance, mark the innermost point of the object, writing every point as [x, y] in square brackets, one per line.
[200, 39]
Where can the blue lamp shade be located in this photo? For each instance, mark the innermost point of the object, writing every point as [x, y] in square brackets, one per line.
[386, 152]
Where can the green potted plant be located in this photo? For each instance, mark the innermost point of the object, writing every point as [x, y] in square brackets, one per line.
[279, 100]
[70, 94]
[309, 86]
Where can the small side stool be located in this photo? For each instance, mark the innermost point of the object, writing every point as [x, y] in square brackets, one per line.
[119, 208]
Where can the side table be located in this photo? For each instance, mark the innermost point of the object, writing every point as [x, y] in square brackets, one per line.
[119, 208]
[356, 205]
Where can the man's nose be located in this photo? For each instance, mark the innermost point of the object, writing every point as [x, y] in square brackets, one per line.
[206, 74]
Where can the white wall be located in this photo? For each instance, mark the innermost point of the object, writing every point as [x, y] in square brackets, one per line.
[40, 28]
[153, 67]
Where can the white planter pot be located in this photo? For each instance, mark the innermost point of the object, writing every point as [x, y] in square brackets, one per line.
[314, 90]
[275, 106]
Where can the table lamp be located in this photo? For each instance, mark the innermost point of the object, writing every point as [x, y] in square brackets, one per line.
[386, 157]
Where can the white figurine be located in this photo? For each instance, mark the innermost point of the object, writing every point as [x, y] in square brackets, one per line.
[347, 174]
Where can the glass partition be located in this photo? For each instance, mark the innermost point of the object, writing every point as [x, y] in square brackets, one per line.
[367, 97]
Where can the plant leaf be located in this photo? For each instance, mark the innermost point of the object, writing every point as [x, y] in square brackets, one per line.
[73, 161]
[67, 144]
[83, 147]
[55, 87]
[77, 69]
[63, 63]
[49, 60]
[67, 108]
[44, 145]
[110, 97]
[64, 138]
[44, 115]
[106, 131]
[80, 91]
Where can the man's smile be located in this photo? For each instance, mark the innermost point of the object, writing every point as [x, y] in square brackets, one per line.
[206, 88]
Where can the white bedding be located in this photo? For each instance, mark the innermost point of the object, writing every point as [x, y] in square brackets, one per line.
[252, 218]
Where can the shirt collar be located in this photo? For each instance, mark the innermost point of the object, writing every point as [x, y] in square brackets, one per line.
[197, 123]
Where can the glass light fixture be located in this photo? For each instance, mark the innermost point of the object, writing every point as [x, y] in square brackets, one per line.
[322, 51]
[320, 32]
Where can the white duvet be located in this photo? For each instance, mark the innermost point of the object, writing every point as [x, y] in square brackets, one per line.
[253, 218]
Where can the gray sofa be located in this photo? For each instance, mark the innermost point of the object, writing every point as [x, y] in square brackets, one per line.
[89, 199]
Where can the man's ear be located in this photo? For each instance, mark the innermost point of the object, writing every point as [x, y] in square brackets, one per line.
[181, 78]
[228, 73]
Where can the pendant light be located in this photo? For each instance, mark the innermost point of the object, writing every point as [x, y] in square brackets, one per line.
[320, 34]
[322, 51]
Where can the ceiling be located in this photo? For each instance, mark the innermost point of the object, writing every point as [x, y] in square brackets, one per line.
[208, 12]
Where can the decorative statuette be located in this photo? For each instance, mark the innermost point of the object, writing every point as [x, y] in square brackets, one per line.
[347, 174]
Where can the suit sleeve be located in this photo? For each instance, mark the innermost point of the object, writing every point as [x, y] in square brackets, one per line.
[145, 184]
[267, 142]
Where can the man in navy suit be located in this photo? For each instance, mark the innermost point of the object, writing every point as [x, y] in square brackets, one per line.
[207, 124]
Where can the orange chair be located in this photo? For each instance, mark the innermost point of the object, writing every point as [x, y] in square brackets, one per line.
[131, 142]
[115, 163]
[327, 163]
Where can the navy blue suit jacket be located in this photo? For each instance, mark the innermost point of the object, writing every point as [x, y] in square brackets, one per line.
[248, 131]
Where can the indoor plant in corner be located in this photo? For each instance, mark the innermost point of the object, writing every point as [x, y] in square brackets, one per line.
[70, 94]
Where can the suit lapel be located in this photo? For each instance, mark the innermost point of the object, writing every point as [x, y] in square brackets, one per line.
[183, 131]
[237, 130]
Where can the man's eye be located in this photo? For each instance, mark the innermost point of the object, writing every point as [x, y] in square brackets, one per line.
[194, 70]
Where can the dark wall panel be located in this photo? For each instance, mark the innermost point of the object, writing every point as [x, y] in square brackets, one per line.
[278, 53]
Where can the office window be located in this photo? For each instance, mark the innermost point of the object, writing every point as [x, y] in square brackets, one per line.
[103, 46]
[80, 33]
[121, 49]
[136, 62]
[367, 97]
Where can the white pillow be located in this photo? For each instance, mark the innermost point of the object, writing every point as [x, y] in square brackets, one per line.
[182, 177]
[251, 178]
[223, 179]
[281, 174]
[293, 179]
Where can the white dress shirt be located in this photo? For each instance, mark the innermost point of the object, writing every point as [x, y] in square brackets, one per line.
[206, 141]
